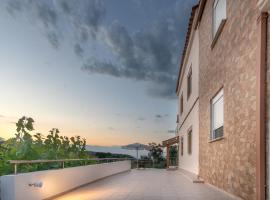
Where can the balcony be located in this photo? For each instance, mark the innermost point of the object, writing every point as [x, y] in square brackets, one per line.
[148, 184]
[107, 181]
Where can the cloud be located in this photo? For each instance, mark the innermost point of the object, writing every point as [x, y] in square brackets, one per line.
[141, 119]
[53, 39]
[83, 19]
[46, 14]
[143, 56]
[78, 50]
[2, 116]
[171, 131]
[111, 128]
[150, 54]
[158, 116]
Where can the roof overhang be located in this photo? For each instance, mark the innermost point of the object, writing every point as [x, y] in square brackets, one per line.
[171, 141]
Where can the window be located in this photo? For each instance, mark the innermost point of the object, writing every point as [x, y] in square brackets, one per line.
[219, 14]
[190, 141]
[181, 104]
[217, 116]
[189, 83]
[182, 146]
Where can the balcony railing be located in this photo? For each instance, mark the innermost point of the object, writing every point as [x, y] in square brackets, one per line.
[82, 162]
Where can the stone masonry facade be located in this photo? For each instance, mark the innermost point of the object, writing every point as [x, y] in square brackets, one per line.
[230, 163]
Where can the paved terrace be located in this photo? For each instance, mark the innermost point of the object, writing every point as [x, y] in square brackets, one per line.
[149, 184]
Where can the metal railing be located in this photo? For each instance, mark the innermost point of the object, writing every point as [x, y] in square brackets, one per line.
[173, 161]
[16, 163]
[148, 163]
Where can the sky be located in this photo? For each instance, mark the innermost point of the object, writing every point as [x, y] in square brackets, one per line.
[104, 70]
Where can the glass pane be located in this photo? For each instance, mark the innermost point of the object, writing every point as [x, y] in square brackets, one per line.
[219, 14]
[218, 113]
[218, 133]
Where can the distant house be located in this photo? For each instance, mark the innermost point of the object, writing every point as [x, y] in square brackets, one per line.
[224, 96]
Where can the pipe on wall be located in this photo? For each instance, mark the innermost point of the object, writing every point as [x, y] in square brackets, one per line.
[261, 108]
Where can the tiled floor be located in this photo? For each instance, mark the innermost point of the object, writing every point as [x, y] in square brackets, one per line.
[150, 184]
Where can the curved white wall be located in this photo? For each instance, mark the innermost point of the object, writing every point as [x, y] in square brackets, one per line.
[15, 187]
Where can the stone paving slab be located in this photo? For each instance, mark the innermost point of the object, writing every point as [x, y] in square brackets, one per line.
[149, 184]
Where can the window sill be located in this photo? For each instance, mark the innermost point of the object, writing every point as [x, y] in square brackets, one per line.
[215, 140]
[220, 28]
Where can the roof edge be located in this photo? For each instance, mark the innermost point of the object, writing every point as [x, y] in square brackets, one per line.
[189, 30]
[200, 13]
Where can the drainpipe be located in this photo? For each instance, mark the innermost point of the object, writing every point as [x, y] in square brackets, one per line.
[261, 108]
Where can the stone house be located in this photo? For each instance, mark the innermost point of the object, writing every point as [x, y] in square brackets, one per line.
[228, 48]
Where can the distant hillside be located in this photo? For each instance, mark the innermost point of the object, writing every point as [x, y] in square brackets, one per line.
[108, 155]
[115, 150]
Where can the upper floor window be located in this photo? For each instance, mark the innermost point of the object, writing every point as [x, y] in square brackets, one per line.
[189, 83]
[181, 104]
[219, 14]
[189, 141]
[217, 115]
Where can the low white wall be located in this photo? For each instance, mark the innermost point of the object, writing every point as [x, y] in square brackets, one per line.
[16, 187]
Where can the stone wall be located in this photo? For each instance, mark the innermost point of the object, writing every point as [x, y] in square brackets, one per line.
[230, 163]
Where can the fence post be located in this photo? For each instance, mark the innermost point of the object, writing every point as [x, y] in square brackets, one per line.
[63, 164]
[15, 168]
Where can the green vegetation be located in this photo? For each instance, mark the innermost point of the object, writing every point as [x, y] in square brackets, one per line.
[154, 159]
[155, 152]
[27, 145]
[173, 151]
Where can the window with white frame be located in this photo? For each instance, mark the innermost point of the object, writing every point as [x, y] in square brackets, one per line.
[219, 14]
[217, 115]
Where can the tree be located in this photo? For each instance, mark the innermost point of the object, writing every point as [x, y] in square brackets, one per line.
[2, 140]
[155, 152]
[28, 146]
[173, 151]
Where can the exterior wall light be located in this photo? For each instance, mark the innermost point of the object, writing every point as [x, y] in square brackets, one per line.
[36, 184]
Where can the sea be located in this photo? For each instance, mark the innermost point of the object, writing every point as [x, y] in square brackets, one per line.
[116, 149]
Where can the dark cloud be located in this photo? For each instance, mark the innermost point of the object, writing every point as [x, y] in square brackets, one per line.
[47, 15]
[143, 56]
[171, 131]
[159, 116]
[53, 39]
[78, 50]
[86, 16]
[14, 6]
[150, 55]
[65, 6]
[141, 119]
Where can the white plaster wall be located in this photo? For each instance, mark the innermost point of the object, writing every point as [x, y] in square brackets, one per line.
[190, 116]
[190, 162]
[192, 61]
[15, 187]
